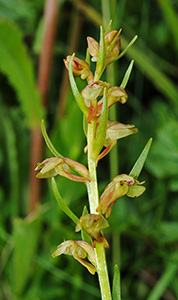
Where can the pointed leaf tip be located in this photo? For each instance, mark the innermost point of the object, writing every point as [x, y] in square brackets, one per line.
[136, 170]
[116, 290]
[48, 141]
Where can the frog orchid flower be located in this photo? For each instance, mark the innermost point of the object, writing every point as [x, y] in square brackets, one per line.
[93, 224]
[112, 47]
[62, 166]
[90, 94]
[79, 67]
[115, 131]
[79, 250]
[121, 185]
[115, 94]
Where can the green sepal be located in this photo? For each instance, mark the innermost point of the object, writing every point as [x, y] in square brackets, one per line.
[102, 127]
[127, 75]
[48, 141]
[136, 170]
[85, 236]
[61, 202]
[101, 56]
[116, 288]
[76, 93]
[127, 48]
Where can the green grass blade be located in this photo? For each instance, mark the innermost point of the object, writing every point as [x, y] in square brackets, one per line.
[136, 170]
[26, 235]
[48, 141]
[116, 289]
[164, 281]
[16, 65]
[147, 66]
[171, 16]
[62, 204]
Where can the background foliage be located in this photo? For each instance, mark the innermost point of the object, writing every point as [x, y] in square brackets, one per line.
[144, 232]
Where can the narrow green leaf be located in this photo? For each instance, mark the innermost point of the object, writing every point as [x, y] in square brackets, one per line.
[76, 93]
[48, 141]
[170, 13]
[136, 170]
[116, 289]
[163, 283]
[127, 75]
[101, 56]
[149, 67]
[16, 65]
[101, 131]
[25, 237]
[127, 47]
[62, 204]
[85, 236]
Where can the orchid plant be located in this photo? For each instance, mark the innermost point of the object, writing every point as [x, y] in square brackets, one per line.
[102, 134]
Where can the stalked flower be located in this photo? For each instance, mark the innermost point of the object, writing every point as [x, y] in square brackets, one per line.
[79, 67]
[112, 46]
[80, 250]
[62, 166]
[94, 89]
[121, 185]
[93, 224]
[115, 94]
[115, 131]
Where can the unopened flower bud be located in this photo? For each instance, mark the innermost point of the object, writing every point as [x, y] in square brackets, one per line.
[79, 66]
[112, 42]
[93, 48]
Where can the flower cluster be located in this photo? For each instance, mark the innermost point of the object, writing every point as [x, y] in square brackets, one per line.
[102, 134]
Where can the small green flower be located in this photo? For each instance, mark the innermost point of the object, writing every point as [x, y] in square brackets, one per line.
[93, 225]
[62, 166]
[79, 250]
[79, 67]
[95, 89]
[121, 185]
[115, 131]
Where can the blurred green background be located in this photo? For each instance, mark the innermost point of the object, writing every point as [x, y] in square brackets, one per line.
[35, 37]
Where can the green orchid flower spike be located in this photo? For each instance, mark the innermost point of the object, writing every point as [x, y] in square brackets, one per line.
[94, 102]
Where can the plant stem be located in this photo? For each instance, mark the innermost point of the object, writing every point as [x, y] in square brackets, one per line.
[93, 195]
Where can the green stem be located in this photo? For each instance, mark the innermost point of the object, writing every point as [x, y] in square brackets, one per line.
[93, 195]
